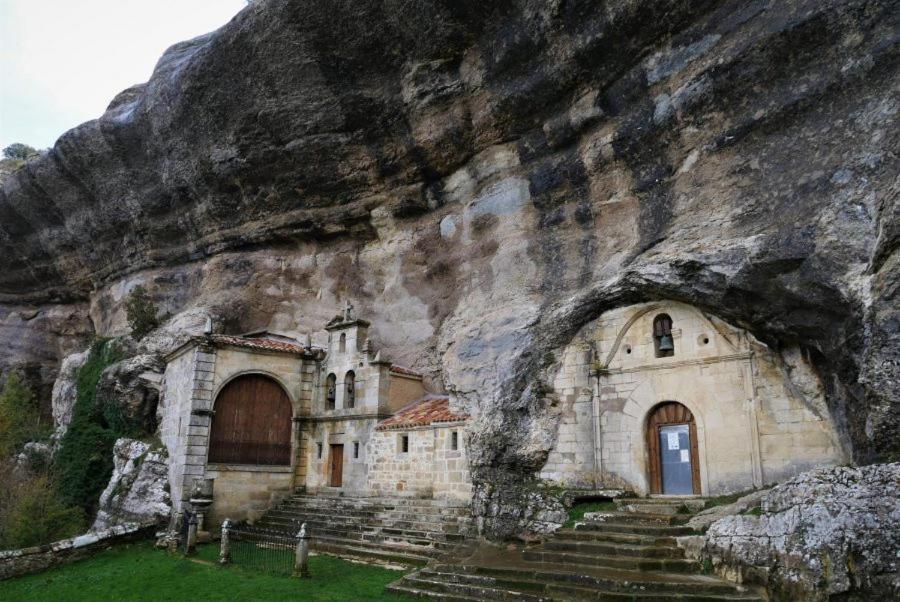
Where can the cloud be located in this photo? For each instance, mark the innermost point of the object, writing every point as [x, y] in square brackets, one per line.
[62, 62]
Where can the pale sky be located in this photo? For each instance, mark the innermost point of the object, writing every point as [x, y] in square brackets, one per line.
[63, 61]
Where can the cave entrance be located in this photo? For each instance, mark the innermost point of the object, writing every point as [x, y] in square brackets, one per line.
[672, 445]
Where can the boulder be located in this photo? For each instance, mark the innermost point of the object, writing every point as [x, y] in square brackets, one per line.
[138, 491]
[824, 534]
[64, 392]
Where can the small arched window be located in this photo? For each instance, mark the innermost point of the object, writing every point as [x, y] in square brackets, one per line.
[663, 342]
[330, 391]
[350, 389]
[342, 345]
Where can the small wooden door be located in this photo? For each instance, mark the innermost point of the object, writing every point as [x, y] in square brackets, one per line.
[672, 446]
[337, 465]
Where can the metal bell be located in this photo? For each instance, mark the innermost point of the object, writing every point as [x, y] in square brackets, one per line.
[665, 343]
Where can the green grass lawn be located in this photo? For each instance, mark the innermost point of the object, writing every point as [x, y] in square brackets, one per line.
[141, 572]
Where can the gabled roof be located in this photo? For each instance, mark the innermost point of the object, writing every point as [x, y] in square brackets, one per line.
[430, 409]
[261, 344]
[404, 371]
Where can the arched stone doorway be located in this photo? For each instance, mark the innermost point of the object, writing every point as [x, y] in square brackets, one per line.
[672, 444]
[252, 423]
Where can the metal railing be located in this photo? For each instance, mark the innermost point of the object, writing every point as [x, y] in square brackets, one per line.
[265, 550]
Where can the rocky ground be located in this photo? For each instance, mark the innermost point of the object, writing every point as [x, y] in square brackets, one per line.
[502, 174]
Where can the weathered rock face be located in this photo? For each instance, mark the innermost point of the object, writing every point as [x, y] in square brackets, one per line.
[829, 532]
[138, 490]
[482, 179]
[65, 392]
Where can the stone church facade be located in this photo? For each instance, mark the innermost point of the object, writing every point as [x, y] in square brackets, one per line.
[262, 415]
[662, 389]
[658, 398]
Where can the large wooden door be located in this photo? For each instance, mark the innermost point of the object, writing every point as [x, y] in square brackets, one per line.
[672, 447]
[337, 465]
[252, 423]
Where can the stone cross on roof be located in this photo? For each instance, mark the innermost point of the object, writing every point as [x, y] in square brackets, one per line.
[348, 311]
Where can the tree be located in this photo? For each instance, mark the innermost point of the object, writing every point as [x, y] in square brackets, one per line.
[141, 312]
[20, 417]
[20, 151]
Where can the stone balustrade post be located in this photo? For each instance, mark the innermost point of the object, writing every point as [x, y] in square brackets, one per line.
[191, 534]
[301, 554]
[225, 545]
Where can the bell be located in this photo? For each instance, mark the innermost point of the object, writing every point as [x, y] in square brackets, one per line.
[665, 343]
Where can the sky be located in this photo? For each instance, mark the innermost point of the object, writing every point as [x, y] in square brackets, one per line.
[63, 61]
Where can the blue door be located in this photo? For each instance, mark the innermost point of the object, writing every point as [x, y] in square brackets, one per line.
[675, 459]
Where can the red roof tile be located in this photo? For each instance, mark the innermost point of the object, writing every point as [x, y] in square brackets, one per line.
[428, 410]
[405, 371]
[261, 344]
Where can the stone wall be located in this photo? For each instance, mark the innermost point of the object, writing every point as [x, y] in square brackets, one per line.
[755, 425]
[430, 468]
[15, 563]
[346, 432]
[243, 492]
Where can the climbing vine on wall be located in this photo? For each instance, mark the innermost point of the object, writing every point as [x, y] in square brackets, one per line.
[84, 462]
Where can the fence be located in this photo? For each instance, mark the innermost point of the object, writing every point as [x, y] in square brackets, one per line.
[265, 550]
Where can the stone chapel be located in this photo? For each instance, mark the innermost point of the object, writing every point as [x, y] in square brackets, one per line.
[658, 398]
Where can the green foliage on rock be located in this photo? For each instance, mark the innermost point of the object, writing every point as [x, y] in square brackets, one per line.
[18, 150]
[20, 417]
[142, 313]
[35, 515]
[84, 463]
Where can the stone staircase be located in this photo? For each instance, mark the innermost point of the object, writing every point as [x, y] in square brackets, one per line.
[394, 531]
[624, 554]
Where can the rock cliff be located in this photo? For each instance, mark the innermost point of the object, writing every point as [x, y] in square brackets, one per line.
[482, 179]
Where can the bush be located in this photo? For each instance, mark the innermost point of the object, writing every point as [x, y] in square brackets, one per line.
[141, 312]
[84, 463]
[20, 417]
[35, 515]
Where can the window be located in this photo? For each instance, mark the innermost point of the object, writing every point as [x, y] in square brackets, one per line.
[252, 424]
[663, 342]
[330, 391]
[350, 389]
[454, 440]
[319, 451]
[403, 444]
[342, 345]
[356, 449]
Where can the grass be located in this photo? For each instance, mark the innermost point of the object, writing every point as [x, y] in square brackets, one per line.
[577, 512]
[141, 572]
[724, 500]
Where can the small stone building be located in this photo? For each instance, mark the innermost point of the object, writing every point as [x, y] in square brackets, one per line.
[263, 415]
[663, 398]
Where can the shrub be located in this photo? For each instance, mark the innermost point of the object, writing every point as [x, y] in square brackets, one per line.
[17, 150]
[83, 464]
[35, 515]
[141, 312]
[20, 417]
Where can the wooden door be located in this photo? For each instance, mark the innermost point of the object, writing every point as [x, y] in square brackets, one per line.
[252, 423]
[661, 420]
[337, 465]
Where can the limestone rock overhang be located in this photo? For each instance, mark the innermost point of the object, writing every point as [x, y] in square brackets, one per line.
[430, 410]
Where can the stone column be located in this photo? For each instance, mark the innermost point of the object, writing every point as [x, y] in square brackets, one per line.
[301, 553]
[200, 420]
[225, 544]
[752, 405]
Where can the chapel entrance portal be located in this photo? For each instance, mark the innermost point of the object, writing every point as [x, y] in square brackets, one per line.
[672, 443]
[337, 465]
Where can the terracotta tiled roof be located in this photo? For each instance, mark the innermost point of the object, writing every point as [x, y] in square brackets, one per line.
[428, 410]
[405, 371]
[261, 344]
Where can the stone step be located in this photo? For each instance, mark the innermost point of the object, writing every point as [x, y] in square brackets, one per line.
[324, 527]
[388, 547]
[405, 590]
[479, 591]
[672, 565]
[418, 525]
[517, 588]
[602, 536]
[613, 549]
[605, 579]
[380, 503]
[620, 527]
[374, 555]
[635, 517]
